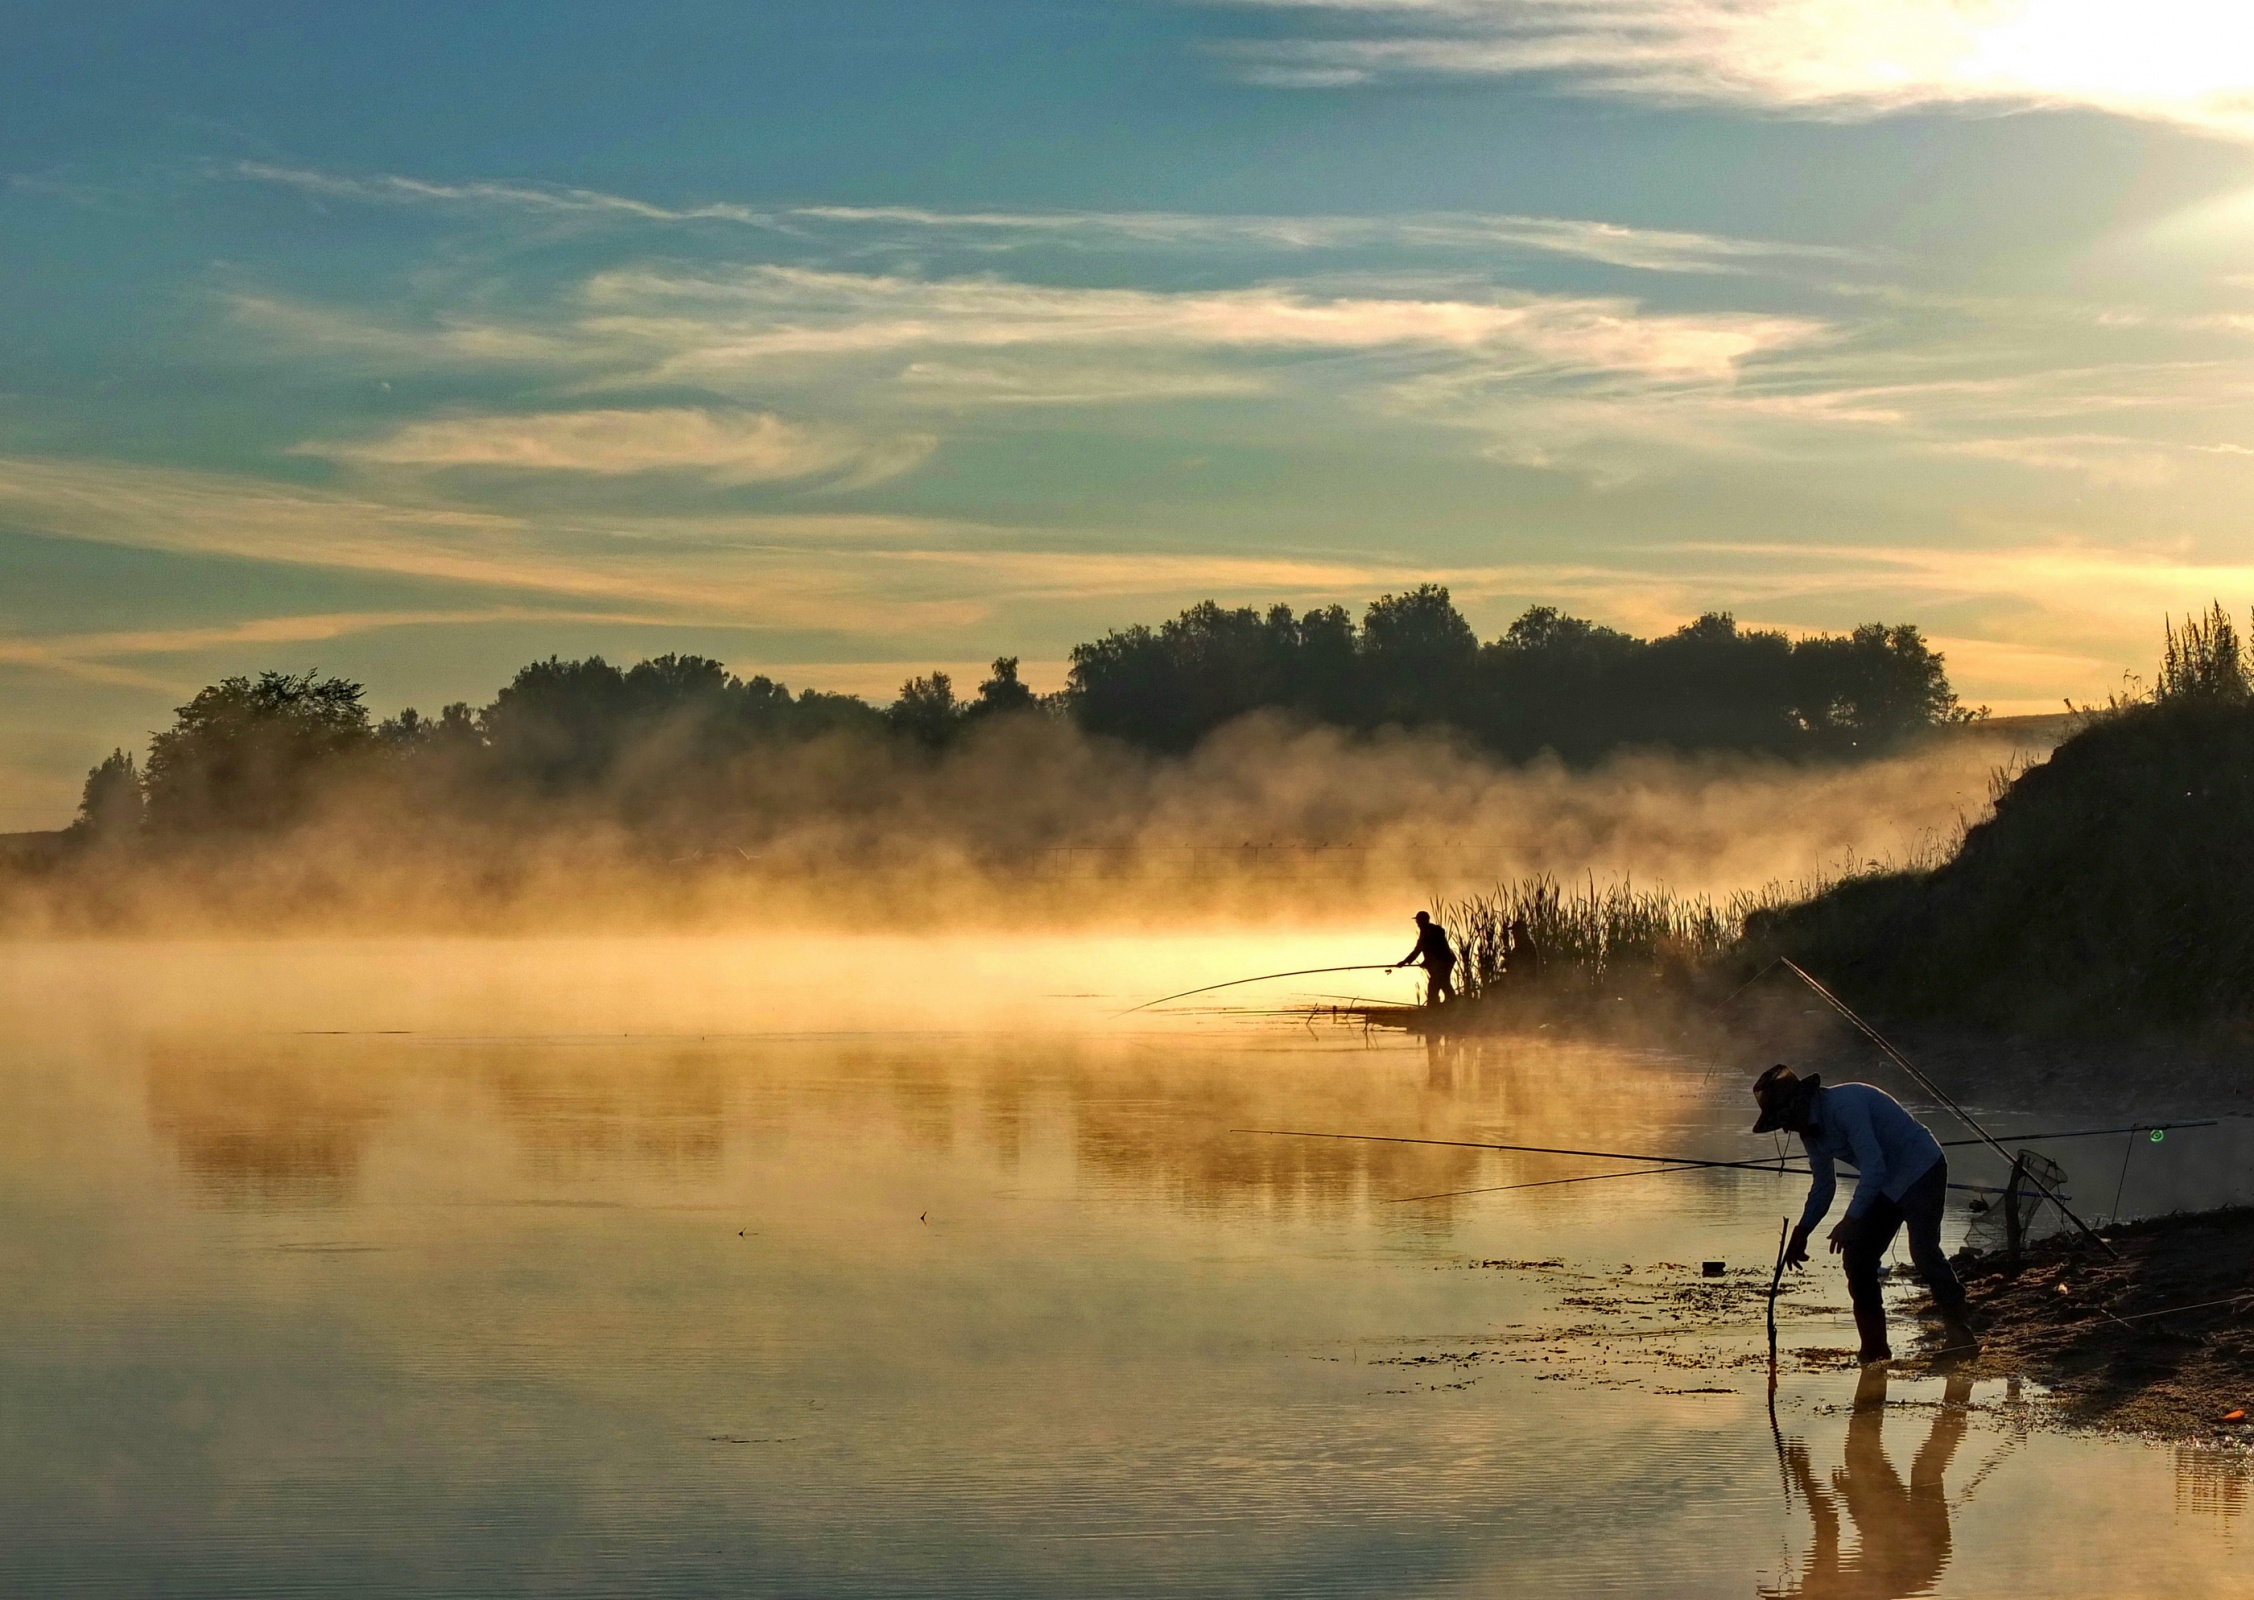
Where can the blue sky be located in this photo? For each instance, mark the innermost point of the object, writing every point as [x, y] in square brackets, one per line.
[841, 341]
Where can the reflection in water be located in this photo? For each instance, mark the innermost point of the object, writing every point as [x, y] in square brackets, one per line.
[585, 1116]
[256, 1126]
[1901, 1530]
[291, 1125]
[2212, 1480]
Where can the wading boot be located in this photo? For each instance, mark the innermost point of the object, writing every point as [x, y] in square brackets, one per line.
[1957, 1338]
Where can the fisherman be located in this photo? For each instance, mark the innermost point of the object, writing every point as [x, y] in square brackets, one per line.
[1521, 957]
[1438, 960]
[1902, 1177]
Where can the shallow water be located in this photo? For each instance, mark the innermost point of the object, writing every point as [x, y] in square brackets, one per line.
[811, 1268]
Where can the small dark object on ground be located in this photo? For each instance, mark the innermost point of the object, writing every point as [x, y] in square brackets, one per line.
[1712, 1269]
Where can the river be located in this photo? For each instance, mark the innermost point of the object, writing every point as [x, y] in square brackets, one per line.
[828, 1266]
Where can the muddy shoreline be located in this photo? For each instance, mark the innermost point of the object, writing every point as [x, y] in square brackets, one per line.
[2157, 1341]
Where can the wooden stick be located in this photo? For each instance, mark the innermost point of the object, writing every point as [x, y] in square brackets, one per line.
[1776, 1280]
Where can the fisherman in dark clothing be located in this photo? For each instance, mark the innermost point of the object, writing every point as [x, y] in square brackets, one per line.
[1439, 961]
[1901, 1178]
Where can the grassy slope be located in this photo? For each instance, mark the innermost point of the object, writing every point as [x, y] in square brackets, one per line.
[2110, 891]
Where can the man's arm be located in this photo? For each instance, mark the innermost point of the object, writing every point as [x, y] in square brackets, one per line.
[1822, 1185]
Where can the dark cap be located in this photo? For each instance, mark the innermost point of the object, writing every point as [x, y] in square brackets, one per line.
[1781, 1093]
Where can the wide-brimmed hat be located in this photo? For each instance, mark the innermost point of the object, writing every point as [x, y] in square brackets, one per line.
[1781, 1092]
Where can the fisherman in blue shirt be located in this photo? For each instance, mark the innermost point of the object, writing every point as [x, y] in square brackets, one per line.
[1901, 1178]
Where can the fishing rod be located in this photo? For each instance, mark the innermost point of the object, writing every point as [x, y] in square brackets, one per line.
[1776, 1165]
[1547, 1183]
[1637, 1172]
[2086, 1133]
[1265, 977]
[1887, 1049]
[1668, 1163]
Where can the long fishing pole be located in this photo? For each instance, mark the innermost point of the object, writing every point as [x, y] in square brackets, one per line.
[1307, 972]
[1549, 1183]
[1634, 1172]
[1528, 1149]
[1887, 1049]
[2086, 1133]
[1666, 1163]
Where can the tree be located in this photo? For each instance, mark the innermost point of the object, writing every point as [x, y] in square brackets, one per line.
[558, 724]
[927, 710]
[1003, 694]
[1872, 688]
[111, 807]
[246, 753]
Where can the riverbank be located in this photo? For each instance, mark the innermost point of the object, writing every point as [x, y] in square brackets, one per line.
[2159, 1340]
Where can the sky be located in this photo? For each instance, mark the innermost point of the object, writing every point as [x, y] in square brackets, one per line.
[839, 342]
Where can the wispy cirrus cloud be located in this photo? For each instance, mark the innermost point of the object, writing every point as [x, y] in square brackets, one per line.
[1603, 385]
[2031, 616]
[746, 319]
[391, 189]
[725, 447]
[896, 353]
[1442, 233]
[846, 574]
[99, 657]
[2189, 62]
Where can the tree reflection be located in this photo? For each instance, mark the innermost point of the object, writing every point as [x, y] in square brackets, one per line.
[1901, 1530]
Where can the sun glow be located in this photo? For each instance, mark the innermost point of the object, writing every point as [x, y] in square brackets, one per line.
[2184, 61]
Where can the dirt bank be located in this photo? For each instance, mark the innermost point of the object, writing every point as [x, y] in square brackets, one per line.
[2158, 1341]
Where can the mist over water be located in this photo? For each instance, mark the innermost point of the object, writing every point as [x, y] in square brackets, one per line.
[1032, 822]
[813, 1265]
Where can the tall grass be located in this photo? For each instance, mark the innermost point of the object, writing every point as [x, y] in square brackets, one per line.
[1592, 937]
[2203, 660]
[1588, 936]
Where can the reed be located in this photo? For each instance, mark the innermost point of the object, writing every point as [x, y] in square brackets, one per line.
[1591, 935]
[1594, 936]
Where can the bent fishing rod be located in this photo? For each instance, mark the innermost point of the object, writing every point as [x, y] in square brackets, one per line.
[1886, 1048]
[1265, 977]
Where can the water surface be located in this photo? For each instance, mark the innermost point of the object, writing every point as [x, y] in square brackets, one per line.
[817, 1268]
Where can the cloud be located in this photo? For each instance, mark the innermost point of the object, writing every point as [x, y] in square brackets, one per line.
[726, 447]
[837, 574]
[384, 189]
[2011, 603]
[1614, 244]
[94, 657]
[2189, 62]
[744, 321]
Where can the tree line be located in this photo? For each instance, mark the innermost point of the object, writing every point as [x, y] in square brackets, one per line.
[255, 753]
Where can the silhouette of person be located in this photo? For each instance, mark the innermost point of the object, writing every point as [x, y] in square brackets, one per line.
[1901, 1530]
[1432, 952]
[1521, 959]
[1902, 1178]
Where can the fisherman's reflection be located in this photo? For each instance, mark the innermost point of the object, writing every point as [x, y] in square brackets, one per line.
[1901, 1530]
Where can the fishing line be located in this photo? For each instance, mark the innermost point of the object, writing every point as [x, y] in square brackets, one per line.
[1265, 977]
[2128, 1149]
